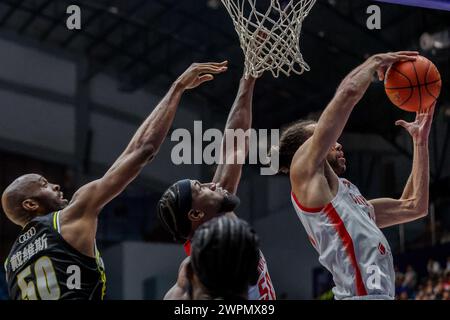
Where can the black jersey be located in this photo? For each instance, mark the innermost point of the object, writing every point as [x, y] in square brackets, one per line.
[43, 266]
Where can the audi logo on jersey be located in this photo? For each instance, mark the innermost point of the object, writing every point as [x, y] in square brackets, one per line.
[27, 235]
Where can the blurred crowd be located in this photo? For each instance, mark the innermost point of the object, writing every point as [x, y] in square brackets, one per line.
[434, 286]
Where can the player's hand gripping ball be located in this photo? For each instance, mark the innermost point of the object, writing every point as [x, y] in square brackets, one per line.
[413, 85]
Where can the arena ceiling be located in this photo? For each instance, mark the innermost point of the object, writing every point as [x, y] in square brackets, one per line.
[147, 43]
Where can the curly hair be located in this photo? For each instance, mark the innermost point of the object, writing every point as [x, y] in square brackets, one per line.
[292, 137]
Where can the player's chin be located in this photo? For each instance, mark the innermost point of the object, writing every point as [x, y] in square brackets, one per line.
[342, 169]
[229, 203]
[63, 203]
[340, 166]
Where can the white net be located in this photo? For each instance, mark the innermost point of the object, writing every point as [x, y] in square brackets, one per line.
[270, 35]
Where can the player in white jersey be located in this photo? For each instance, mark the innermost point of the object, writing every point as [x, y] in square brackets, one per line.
[341, 224]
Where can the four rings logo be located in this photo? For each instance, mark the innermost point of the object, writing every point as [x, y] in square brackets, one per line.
[27, 235]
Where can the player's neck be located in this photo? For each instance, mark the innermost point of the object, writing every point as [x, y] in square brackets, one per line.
[329, 172]
[25, 221]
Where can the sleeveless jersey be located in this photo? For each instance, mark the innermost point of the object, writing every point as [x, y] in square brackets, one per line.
[350, 244]
[43, 266]
[263, 290]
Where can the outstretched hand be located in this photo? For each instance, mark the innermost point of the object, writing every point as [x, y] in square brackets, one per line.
[199, 73]
[385, 60]
[420, 128]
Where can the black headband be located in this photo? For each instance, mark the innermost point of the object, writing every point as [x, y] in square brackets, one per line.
[184, 195]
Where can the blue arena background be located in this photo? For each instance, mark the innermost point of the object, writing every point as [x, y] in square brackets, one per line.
[433, 4]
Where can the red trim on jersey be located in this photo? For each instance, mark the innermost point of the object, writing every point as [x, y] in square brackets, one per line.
[187, 248]
[306, 209]
[313, 242]
[338, 224]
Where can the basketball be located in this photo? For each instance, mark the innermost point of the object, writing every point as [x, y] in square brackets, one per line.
[413, 85]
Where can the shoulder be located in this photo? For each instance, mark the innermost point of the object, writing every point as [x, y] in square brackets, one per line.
[44, 220]
[180, 290]
[303, 170]
[350, 186]
[183, 271]
[183, 274]
[315, 190]
[346, 182]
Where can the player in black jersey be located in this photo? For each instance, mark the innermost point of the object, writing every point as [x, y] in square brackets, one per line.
[55, 256]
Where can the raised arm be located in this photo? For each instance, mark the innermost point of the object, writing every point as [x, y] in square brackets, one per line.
[89, 199]
[413, 203]
[228, 174]
[334, 118]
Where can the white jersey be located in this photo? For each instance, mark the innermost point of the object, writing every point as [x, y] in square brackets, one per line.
[350, 245]
[263, 290]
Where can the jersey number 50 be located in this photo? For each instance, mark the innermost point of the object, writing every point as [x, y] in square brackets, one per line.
[46, 282]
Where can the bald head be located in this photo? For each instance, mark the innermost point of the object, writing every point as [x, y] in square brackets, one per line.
[31, 195]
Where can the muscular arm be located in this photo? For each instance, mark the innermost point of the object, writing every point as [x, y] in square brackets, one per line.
[335, 116]
[180, 290]
[333, 120]
[89, 199]
[413, 204]
[228, 174]
[308, 161]
[144, 145]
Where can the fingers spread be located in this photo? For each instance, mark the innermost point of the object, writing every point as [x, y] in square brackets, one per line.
[430, 110]
[405, 57]
[402, 123]
[213, 64]
[427, 111]
[211, 69]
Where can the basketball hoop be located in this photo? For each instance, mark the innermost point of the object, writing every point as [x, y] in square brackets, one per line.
[270, 37]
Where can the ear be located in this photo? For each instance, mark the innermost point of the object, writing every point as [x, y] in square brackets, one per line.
[196, 215]
[30, 205]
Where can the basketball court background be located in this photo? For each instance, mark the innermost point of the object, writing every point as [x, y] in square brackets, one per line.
[71, 99]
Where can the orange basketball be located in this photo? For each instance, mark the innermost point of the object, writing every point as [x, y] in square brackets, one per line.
[413, 85]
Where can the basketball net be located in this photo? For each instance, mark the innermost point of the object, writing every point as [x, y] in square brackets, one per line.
[270, 38]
